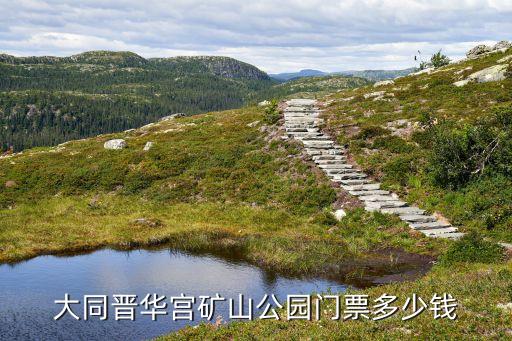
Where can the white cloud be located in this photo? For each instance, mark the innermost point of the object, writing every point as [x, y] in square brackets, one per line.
[276, 36]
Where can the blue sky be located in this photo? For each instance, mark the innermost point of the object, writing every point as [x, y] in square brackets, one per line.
[277, 36]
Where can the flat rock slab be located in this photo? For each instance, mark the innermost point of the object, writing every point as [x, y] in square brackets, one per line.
[429, 226]
[418, 218]
[403, 210]
[361, 187]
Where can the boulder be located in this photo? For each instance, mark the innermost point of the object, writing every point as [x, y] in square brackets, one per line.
[381, 83]
[10, 184]
[339, 214]
[148, 146]
[478, 50]
[115, 144]
[502, 45]
[263, 103]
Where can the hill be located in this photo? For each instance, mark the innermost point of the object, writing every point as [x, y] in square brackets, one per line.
[232, 181]
[378, 75]
[302, 73]
[48, 100]
[371, 75]
[312, 87]
[440, 138]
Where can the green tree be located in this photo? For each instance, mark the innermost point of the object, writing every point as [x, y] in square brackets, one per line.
[438, 59]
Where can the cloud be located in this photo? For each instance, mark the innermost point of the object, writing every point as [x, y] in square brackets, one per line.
[276, 36]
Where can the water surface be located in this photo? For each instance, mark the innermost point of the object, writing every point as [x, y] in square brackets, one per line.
[28, 291]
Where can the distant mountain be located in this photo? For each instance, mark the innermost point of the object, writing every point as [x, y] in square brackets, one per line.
[378, 75]
[371, 75]
[47, 100]
[294, 75]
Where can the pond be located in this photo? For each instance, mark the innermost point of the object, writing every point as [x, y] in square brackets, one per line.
[28, 291]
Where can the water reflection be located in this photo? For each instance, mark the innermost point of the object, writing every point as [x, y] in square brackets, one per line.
[28, 290]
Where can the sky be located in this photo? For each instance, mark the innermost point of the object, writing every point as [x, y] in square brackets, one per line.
[275, 35]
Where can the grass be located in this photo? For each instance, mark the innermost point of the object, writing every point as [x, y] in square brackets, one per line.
[227, 182]
[477, 288]
[215, 182]
[388, 139]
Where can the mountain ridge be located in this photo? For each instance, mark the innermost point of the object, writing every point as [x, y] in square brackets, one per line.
[372, 75]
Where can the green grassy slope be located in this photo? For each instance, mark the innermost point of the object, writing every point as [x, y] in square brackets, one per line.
[432, 142]
[218, 181]
[421, 138]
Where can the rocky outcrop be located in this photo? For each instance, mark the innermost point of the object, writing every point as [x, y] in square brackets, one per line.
[115, 144]
[481, 50]
[491, 74]
[502, 45]
[478, 50]
[382, 83]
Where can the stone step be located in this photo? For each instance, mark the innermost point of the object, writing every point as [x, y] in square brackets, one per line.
[384, 204]
[355, 182]
[369, 192]
[305, 133]
[335, 166]
[317, 145]
[377, 198]
[308, 139]
[288, 115]
[341, 160]
[329, 157]
[440, 231]
[453, 235]
[325, 151]
[418, 218]
[403, 210]
[361, 187]
[299, 109]
[428, 226]
[347, 176]
[340, 173]
[301, 102]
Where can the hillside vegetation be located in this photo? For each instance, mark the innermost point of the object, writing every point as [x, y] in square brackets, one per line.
[444, 147]
[315, 87]
[48, 100]
[221, 182]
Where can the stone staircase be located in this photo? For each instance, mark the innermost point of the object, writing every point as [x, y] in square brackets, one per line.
[302, 120]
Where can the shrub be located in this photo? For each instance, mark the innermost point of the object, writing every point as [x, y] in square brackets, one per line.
[438, 59]
[397, 170]
[394, 144]
[460, 153]
[371, 131]
[508, 73]
[472, 248]
[272, 114]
